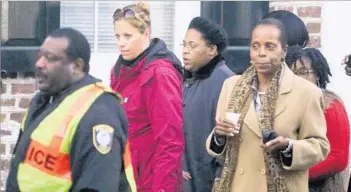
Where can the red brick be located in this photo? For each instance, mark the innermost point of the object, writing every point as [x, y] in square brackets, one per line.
[24, 103]
[17, 117]
[2, 185]
[5, 132]
[2, 148]
[3, 88]
[4, 164]
[23, 88]
[3, 117]
[314, 42]
[8, 102]
[12, 148]
[286, 8]
[314, 27]
[312, 11]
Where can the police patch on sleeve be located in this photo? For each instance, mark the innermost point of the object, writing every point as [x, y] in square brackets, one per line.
[102, 138]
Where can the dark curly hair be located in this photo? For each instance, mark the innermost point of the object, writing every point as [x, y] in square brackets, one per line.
[211, 32]
[296, 30]
[318, 62]
[295, 53]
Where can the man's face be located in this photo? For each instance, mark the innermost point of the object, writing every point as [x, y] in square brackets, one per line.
[54, 69]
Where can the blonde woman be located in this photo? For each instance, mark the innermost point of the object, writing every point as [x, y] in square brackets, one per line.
[147, 76]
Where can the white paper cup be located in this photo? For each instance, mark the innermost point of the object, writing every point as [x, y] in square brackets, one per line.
[233, 117]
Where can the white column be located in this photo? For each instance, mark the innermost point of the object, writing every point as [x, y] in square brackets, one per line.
[336, 40]
[185, 11]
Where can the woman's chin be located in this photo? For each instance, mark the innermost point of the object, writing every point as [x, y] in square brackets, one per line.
[127, 57]
[264, 70]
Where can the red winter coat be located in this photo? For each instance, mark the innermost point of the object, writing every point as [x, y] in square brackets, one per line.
[338, 134]
[151, 89]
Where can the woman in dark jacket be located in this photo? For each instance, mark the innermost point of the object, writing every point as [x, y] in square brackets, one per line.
[205, 72]
[146, 76]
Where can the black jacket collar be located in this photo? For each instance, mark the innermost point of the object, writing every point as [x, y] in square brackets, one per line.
[156, 50]
[205, 71]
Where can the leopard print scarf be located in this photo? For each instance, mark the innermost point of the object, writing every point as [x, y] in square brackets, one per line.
[241, 98]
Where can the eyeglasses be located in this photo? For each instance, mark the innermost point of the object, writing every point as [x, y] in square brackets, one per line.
[127, 13]
[303, 72]
[191, 46]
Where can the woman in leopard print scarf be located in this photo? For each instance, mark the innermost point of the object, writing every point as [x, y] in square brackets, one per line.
[268, 46]
[242, 95]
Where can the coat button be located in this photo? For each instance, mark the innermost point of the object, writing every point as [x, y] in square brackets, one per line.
[241, 171]
[241, 138]
[263, 171]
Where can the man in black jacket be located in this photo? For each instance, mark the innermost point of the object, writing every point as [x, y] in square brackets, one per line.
[96, 141]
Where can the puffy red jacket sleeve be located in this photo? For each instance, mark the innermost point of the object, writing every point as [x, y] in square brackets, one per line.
[164, 105]
[338, 134]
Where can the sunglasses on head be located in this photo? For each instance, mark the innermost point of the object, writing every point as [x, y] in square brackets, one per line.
[127, 13]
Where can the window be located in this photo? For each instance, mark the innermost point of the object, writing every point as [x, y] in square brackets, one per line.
[24, 26]
[237, 18]
[94, 20]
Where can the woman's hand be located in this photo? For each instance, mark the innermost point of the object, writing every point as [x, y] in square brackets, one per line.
[279, 143]
[226, 128]
[186, 175]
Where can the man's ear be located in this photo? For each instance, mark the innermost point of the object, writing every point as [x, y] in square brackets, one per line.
[78, 65]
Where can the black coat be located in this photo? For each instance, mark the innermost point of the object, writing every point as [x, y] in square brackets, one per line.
[200, 96]
[106, 175]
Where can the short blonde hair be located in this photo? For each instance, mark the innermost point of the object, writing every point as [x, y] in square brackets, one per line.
[142, 19]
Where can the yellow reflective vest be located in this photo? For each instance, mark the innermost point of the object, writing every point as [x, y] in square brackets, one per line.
[47, 162]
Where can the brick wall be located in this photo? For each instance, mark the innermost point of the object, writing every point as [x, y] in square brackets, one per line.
[17, 92]
[309, 12]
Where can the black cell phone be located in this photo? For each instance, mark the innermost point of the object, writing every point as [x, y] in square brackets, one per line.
[268, 136]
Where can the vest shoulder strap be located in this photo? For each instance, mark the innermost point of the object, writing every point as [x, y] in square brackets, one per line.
[109, 90]
[98, 84]
[24, 121]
